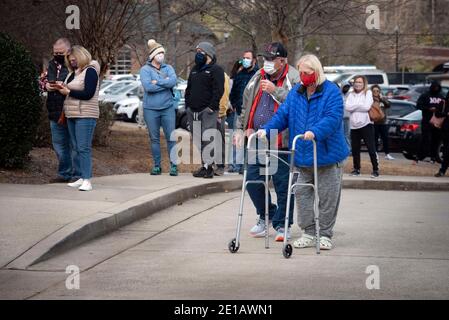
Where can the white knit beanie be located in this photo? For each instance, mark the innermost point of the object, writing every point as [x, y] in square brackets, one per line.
[155, 48]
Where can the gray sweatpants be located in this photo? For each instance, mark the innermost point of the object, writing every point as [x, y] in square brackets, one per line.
[329, 192]
[201, 123]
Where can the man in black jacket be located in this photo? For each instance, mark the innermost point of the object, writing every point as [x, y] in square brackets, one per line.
[57, 73]
[204, 91]
[429, 103]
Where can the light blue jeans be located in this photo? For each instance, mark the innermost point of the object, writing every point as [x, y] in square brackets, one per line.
[154, 120]
[81, 134]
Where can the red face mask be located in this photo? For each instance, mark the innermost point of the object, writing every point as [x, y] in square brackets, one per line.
[308, 79]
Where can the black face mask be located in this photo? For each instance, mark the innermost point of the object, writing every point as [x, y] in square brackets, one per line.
[59, 59]
[200, 59]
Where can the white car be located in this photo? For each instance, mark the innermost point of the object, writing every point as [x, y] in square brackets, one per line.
[131, 109]
[373, 76]
[122, 77]
[128, 109]
[112, 87]
[133, 89]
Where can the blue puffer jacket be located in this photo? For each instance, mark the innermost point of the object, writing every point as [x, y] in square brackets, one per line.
[158, 96]
[323, 115]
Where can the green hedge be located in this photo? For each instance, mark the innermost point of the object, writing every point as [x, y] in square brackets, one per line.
[20, 105]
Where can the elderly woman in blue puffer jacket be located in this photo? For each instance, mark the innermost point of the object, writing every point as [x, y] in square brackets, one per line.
[315, 109]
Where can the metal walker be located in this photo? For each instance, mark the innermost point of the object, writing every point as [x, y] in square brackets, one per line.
[287, 249]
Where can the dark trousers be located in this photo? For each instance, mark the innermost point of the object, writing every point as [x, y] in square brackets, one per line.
[430, 139]
[381, 131]
[280, 182]
[367, 134]
[445, 163]
[221, 156]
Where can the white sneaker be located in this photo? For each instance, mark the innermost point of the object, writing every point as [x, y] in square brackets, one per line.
[388, 157]
[87, 186]
[76, 184]
[258, 231]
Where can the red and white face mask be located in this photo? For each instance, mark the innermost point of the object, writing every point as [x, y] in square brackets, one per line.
[308, 79]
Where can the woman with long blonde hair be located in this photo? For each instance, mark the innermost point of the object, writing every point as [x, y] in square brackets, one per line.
[358, 103]
[82, 110]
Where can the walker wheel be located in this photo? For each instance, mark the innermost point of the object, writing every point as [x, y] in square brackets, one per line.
[287, 251]
[232, 246]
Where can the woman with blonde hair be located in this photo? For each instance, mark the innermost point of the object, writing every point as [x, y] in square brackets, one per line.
[81, 108]
[314, 108]
[358, 103]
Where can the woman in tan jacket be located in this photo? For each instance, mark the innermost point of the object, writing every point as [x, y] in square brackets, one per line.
[81, 108]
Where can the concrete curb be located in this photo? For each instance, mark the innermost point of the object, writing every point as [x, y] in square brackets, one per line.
[101, 223]
[394, 184]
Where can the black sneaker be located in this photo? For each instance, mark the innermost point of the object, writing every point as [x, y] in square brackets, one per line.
[355, 173]
[209, 173]
[375, 174]
[200, 173]
[439, 174]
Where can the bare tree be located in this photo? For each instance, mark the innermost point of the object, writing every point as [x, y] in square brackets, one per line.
[292, 22]
[106, 25]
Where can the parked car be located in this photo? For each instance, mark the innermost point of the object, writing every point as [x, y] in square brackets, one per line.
[128, 109]
[374, 77]
[112, 87]
[395, 89]
[405, 134]
[416, 91]
[399, 108]
[132, 89]
[122, 77]
[106, 83]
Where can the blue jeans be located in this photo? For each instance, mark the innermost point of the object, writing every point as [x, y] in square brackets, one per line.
[280, 182]
[154, 120]
[81, 134]
[237, 153]
[61, 144]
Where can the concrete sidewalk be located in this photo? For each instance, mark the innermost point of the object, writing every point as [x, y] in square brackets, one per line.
[39, 222]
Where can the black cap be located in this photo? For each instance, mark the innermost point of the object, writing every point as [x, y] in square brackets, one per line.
[274, 50]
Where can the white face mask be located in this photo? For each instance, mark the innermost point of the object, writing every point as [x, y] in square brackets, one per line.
[160, 58]
[268, 66]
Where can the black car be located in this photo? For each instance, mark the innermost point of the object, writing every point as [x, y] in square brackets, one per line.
[405, 134]
[400, 108]
[416, 91]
